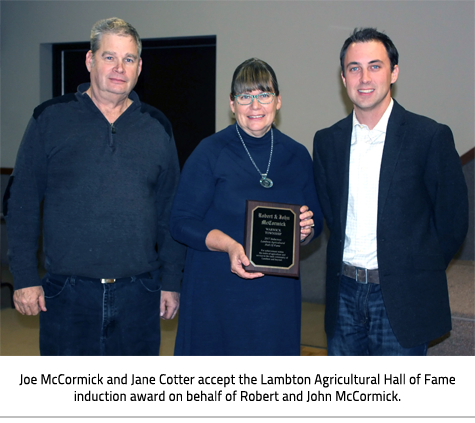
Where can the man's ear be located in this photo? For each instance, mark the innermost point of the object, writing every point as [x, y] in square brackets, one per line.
[394, 74]
[343, 79]
[89, 60]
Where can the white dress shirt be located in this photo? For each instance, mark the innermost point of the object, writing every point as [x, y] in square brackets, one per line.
[365, 163]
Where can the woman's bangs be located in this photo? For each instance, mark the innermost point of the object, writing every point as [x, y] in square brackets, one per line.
[253, 79]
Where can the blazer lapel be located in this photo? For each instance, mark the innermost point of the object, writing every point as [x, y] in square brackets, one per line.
[392, 147]
[342, 146]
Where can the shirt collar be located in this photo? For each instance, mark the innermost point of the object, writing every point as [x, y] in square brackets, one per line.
[82, 88]
[382, 125]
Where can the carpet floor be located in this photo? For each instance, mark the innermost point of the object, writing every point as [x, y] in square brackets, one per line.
[461, 339]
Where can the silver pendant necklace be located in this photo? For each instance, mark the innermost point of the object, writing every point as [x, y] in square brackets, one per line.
[265, 181]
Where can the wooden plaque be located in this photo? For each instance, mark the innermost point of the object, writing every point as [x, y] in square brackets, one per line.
[272, 238]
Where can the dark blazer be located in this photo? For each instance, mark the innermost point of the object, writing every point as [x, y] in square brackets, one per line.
[422, 219]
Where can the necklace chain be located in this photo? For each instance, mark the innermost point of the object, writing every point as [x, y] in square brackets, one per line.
[263, 175]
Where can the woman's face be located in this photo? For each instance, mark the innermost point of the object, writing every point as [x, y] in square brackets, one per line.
[255, 118]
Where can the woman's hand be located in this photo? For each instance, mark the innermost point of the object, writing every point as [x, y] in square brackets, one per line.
[306, 223]
[219, 241]
[238, 260]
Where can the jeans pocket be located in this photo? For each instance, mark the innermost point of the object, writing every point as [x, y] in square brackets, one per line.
[150, 284]
[54, 285]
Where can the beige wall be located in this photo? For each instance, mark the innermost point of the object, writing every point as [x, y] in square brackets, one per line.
[300, 39]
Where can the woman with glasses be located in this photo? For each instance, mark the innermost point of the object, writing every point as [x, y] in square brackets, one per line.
[226, 310]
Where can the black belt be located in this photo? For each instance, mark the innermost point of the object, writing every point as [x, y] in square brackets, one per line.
[105, 280]
[146, 275]
[360, 274]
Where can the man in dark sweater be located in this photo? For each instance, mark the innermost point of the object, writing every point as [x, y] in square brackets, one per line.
[105, 167]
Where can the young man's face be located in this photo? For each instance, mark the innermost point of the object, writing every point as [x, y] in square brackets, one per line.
[368, 76]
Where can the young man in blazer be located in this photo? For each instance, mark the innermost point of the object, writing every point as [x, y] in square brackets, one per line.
[394, 197]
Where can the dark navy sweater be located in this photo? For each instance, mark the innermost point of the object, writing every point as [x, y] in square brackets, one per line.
[106, 190]
[220, 313]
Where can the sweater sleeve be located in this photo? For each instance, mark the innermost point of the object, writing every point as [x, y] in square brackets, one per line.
[193, 199]
[171, 253]
[21, 207]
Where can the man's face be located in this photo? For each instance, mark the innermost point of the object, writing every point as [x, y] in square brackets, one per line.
[368, 76]
[115, 67]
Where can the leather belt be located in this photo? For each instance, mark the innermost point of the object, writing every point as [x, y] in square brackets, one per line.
[141, 276]
[360, 274]
[146, 275]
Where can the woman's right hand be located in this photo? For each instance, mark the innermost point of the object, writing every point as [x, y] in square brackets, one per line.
[238, 260]
[219, 241]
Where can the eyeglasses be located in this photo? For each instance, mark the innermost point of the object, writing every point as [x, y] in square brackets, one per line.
[246, 99]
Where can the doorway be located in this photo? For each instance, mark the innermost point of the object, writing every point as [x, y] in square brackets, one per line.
[178, 77]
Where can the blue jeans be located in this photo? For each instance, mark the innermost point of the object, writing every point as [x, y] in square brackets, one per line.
[362, 326]
[86, 317]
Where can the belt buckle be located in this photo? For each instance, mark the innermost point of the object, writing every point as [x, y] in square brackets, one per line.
[359, 269]
[107, 280]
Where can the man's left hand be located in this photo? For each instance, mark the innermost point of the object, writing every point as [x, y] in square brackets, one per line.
[169, 303]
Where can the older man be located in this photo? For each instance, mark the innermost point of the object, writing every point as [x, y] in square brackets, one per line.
[105, 167]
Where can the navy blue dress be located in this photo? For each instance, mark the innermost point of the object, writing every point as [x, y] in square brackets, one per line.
[220, 313]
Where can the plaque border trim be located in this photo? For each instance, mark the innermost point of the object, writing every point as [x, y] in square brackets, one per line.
[294, 269]
[252, 233]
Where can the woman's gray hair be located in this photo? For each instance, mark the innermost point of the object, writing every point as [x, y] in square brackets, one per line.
[113, 26]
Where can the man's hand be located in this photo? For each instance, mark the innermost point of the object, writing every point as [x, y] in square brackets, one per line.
[30, 301]
[169, 304]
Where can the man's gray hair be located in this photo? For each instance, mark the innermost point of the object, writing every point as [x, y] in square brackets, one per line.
[113, 26]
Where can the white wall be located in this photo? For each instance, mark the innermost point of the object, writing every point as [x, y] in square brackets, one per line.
[300, 39]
